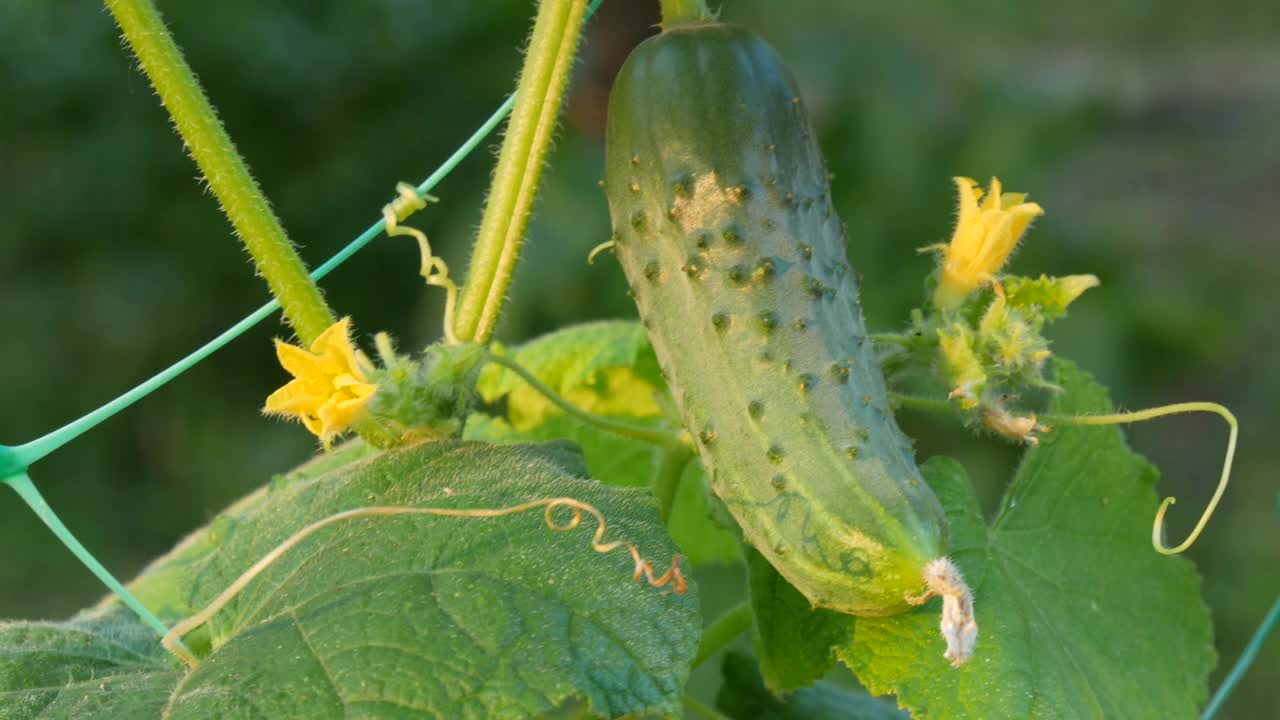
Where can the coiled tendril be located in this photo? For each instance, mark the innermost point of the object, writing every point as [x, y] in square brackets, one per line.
[434, 269]
[643, 568]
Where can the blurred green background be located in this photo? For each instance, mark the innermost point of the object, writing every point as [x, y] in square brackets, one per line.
[1146, 129]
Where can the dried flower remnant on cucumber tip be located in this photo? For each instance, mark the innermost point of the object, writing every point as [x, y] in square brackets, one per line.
[959, 626]
[329, 391]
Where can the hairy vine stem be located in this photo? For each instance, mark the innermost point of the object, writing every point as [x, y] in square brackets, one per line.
[539, 95]
[226, 172]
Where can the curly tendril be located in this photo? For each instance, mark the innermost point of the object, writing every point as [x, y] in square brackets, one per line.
[643, 569]
[434, 269]
[606, 245]
[1157, 528]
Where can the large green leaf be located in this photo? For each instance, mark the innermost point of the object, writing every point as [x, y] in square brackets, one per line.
[744, 697]
[165, 585]
[109, 667]
[419, 616]
[1079, 617]
[794, 641]
[607, 368]
[611, 458]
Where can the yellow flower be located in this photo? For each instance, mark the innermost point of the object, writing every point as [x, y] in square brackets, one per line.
[985, 236]
[329, 391]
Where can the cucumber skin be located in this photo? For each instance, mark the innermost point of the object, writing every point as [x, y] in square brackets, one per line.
[724, 226]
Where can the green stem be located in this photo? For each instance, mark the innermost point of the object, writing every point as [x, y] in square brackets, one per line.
[679, 12]
[539, 95]
[723, 631]
[26, 489]
[635, 432]
[228, 176]
[921, 403]
[666, 482]
[1242, 665]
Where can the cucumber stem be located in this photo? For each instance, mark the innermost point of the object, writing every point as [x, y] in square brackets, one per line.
[682, 12]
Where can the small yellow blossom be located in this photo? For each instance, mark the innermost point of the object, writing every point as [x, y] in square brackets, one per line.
[985, 235]
[329, 391]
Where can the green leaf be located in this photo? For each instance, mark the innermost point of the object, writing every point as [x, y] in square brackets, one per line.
[1079, 617]
[744, 697]
[164, 586]
[697, 527]
[610, 457]
[607, 368]
[104, 667]
[413, 614]
[602, 367]
[1046, 296]
[794, 642]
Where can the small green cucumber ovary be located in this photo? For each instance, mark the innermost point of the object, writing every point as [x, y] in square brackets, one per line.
[723, 223]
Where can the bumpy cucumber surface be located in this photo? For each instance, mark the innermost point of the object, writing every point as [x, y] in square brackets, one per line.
[724, 225]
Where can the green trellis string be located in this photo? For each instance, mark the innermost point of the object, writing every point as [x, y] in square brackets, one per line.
[1242, 664]
[16, 460]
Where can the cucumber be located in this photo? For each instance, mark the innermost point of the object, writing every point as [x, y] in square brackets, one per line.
[724, 225]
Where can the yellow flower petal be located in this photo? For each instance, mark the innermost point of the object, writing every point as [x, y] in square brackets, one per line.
[298, 362]
[969, 196]
[984, 237]
[993, 196]
[1024, 213]
[292, 399]
[315, 426]
[334, 346]
[329, 391]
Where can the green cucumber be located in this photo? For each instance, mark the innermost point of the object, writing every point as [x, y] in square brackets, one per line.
[724, 225]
